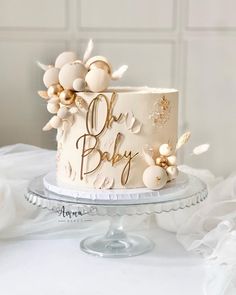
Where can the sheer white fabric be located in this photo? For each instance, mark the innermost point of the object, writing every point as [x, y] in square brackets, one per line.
[18, 165]
[210, 231]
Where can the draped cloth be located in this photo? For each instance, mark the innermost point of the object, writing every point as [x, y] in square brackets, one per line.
[209, 231]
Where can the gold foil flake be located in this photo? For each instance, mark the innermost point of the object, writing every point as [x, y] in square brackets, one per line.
[161, 113]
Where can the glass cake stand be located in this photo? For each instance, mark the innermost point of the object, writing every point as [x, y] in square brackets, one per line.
[185, 192]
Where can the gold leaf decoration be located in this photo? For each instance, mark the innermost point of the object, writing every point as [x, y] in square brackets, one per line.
[161, 112]
[183, 139]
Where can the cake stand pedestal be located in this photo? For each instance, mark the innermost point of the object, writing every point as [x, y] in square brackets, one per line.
[186, 192]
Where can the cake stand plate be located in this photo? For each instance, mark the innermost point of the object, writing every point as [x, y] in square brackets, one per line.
[116, 243]
[119, 196]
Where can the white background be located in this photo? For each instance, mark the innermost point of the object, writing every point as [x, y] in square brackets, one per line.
[187, 44]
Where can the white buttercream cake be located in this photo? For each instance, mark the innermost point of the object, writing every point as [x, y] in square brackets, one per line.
[109, 138]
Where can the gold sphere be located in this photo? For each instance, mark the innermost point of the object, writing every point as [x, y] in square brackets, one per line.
[67, 97]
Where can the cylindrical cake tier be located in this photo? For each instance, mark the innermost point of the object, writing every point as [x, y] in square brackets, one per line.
[102, 147]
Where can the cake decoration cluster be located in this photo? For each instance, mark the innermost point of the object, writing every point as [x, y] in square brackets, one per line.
[71, 75]
[162, 163]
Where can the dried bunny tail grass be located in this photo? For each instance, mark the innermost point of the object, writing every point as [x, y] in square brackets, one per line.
[88, 51]
[43, 66]
[183, 139]
[119, 73]
[200, 149]
[148, 155]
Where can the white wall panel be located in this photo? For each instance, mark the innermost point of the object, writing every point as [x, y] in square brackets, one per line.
[23, 113]
[211, 101]
[149, 36]
[212, 14]
[123, 14]
[33, 14]
[150, 63]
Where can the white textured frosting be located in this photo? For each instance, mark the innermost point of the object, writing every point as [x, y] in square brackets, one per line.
[140, 103]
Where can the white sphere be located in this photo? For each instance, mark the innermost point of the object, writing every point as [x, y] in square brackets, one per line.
[97, 80]
[70, 72]
[165, 150]
[154, 177]
[79, 84]
[172, 172]
[64, 58]
[172, 160]
[53, 107]
[50, 77]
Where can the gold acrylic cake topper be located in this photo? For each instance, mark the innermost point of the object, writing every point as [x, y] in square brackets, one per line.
[94, 132]
[161, 112]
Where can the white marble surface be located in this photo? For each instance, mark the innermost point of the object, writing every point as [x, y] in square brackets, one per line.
[57, 266]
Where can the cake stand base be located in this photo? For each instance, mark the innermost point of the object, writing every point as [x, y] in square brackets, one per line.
[116, 243]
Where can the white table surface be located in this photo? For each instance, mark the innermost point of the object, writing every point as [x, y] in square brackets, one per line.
[57, 266]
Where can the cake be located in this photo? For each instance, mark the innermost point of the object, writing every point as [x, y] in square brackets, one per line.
[109, 137]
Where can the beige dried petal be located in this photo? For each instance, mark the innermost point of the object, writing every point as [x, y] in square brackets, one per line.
[74, 110]
[70, 120]
[183, 139]
[81, 103]
[65, 125]
[137, 128]
[55, 122]
[60, 134]
[98, 182]
[148, 156]
[129, 120]
[68, 169]
[43, 94]
[63, 112]
[108, 183]
[47, 127]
